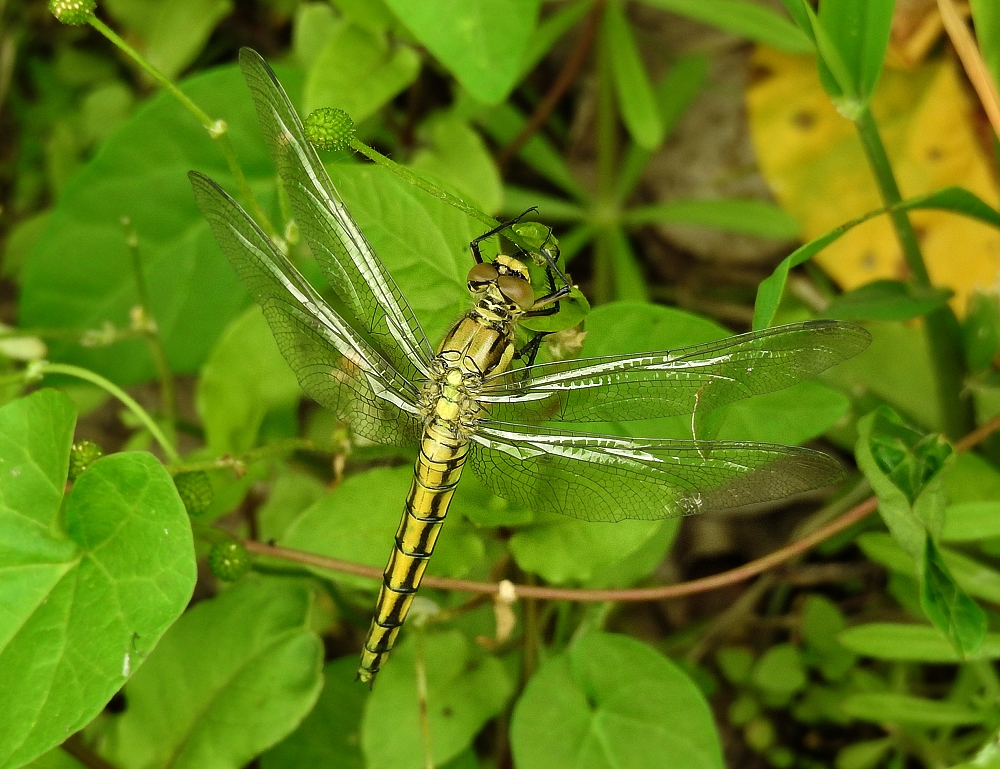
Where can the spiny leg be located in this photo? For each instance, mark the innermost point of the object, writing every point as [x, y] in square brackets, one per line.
[474, 245]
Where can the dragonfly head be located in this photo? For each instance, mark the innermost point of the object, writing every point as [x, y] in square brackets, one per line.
[508, 276]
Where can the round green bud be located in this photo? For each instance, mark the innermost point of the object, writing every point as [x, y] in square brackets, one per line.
[759, 734]
[329, 128]
[75, 12]
[81, 456]
[229, 560]
[195, 490]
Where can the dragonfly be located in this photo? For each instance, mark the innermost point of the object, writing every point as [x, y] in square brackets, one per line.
[473, 401]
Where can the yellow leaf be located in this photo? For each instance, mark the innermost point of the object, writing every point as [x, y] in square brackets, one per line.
[816, 167]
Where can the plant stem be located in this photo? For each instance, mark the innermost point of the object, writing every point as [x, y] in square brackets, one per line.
[150, 331]
[217, 129]
[943, 332]
[89, 376]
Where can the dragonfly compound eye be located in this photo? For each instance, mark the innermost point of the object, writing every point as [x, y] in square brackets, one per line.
[517, 290]
[481, 275]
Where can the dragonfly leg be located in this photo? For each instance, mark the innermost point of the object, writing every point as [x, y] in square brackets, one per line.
[474, 245]
[530, 349]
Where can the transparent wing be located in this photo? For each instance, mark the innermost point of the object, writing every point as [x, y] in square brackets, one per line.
[351, 266]
[333, 363]
[606, 478]
[700, 378]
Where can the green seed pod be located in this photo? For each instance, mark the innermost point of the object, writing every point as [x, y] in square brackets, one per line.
[229, 560]
[195, 490]
[329, 128]
[81, 456]
[74, 12]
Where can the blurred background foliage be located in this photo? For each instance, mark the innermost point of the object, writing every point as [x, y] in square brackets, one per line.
[682, 149]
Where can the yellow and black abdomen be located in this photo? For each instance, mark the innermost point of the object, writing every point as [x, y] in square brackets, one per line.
[470, 348]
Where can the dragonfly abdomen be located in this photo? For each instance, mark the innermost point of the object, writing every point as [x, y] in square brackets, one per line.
[436, 473]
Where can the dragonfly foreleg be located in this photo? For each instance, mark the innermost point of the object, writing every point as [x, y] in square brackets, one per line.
[474, 245]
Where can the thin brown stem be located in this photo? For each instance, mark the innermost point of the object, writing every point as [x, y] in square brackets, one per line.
[76, 747]
[574, 63]
[857, 513]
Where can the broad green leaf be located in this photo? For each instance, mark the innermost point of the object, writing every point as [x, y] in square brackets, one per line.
[779, 671]
[481, 42]
[86, 595]
[971, 521]
[357, 522]
[859, 31]
[972, 479]
[291, 493]
[611, 701]
[821, 622]
[748, 19]
[314, 24]
[885, 300]
[458, 156]
[504, 122]
[464, 691]
[986, 16]
[904, 709]
[947, 606]
[736, 663]
[351, 56]
[373, 15]
[244, 378]
[750, 217]
[330, 736]
[172, 34]
[953, 199]
[791, 416]
[231, 678]
[80, 275]
[633, 90]
[21, 239]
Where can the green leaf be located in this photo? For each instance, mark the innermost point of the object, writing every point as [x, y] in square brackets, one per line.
[551, 210]
[632, 87]
[886, 300]
[903, 709]
[330, 736]
[57, 758]
[988, 757]
[910, 643]
[481, 42]
[629, 281]
[986, 16]
[867, 754]
[981, 331]
[736, 664]
[752, 21]
[458, 157]
[859, 31]
[779, 671]
[464, 691]
[231, 678]
[821, 622]
[291, 493]
[954, 199]
[791, 416]
[550, 30]
[971, 521]
[357, 521]
[353, 55]
[244, 378]
[749, 217]
[947, 606]
[314, 24]
[80, 275]
[173, 33]
[88, 595]
[612, 701]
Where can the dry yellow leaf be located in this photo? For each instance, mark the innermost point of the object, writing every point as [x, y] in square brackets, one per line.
[814, 162]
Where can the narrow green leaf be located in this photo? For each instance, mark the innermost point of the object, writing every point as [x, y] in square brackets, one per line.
[354, 55]
[867, 754]
[632, 87]
[750, 20]
[886, 300]
[480, 41]
[954, 199]
[330, 736]
[244, 378]
[517, 200]
[750, 217]
[87, 596]
[231, 678]
[613, 701]
[947, 606]
[465, 689]
[904, 709]
[859, 30]
[629, 281]
[550, 30]
[986, 15]
[981, 331]
[971, 521]
[910, 643]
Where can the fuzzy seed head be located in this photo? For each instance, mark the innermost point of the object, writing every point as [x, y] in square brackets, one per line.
[74, 12]
[329, 128]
